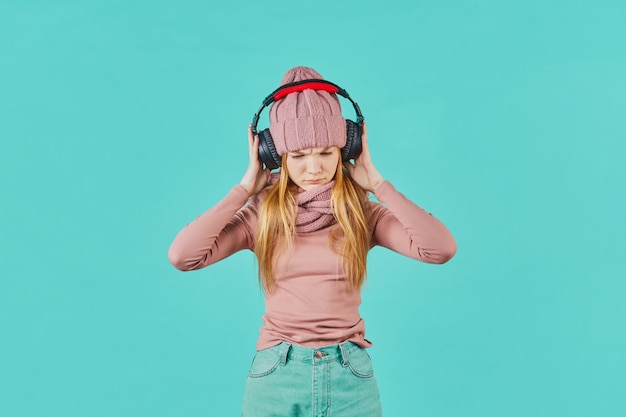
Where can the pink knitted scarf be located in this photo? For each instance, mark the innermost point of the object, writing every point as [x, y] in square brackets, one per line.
[313, 212]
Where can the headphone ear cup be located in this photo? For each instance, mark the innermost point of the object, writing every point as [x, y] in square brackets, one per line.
[353, 141]
[267, 150]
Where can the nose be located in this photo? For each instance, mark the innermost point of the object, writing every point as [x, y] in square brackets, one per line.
[313, 165]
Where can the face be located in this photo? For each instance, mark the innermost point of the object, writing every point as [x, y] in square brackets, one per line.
[312, 167]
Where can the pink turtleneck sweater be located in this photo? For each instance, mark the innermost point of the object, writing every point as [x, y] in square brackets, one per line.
[311, 305]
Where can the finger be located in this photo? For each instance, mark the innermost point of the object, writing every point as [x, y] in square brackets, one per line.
[250, 134]
[254, 148]
[364, 133]
[364, 142]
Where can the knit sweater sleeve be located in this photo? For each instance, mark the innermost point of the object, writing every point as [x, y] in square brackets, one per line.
[218, 233]
[404, 227]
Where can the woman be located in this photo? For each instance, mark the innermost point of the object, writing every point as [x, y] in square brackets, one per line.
[311, 226]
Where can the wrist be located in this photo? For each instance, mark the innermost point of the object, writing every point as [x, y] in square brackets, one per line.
[376, 184]
[376, 187]
[246, 187]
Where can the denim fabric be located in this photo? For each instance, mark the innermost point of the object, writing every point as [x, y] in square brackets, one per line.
[296, 381]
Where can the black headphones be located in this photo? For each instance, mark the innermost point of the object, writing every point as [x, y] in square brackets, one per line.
[267, 150]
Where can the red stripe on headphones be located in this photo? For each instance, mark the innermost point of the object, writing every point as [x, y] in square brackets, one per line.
[306, 86]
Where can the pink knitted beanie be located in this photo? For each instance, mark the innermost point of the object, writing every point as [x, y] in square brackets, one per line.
[306, 119]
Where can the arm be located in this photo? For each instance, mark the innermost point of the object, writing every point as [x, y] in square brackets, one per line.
[226, 228]
[218, 233]
[404, 227]
[401, 226]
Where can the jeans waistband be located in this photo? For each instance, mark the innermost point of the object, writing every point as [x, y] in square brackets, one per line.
[291, 352]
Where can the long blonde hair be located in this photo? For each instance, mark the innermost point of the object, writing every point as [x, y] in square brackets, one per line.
[277, 226]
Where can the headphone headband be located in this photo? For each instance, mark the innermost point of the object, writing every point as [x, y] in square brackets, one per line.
[295, 87]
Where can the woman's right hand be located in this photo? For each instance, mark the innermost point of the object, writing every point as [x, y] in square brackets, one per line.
[255, 178]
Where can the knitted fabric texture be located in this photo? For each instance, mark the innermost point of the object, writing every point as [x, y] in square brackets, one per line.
[306, 119]
[313, 212]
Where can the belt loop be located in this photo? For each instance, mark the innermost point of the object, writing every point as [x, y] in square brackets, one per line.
[284, 353]
[344, 355]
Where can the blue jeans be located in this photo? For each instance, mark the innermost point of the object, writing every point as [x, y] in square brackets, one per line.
[295, 381]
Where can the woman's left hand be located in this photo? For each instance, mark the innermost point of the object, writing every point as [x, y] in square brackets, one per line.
[363, 170]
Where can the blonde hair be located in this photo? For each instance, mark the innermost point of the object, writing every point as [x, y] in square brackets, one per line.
[349, 238]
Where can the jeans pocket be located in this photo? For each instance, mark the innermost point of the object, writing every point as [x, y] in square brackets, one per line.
[264, 363]
[360, 363]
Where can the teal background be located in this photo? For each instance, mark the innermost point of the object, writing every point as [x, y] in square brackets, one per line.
[121, 121]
